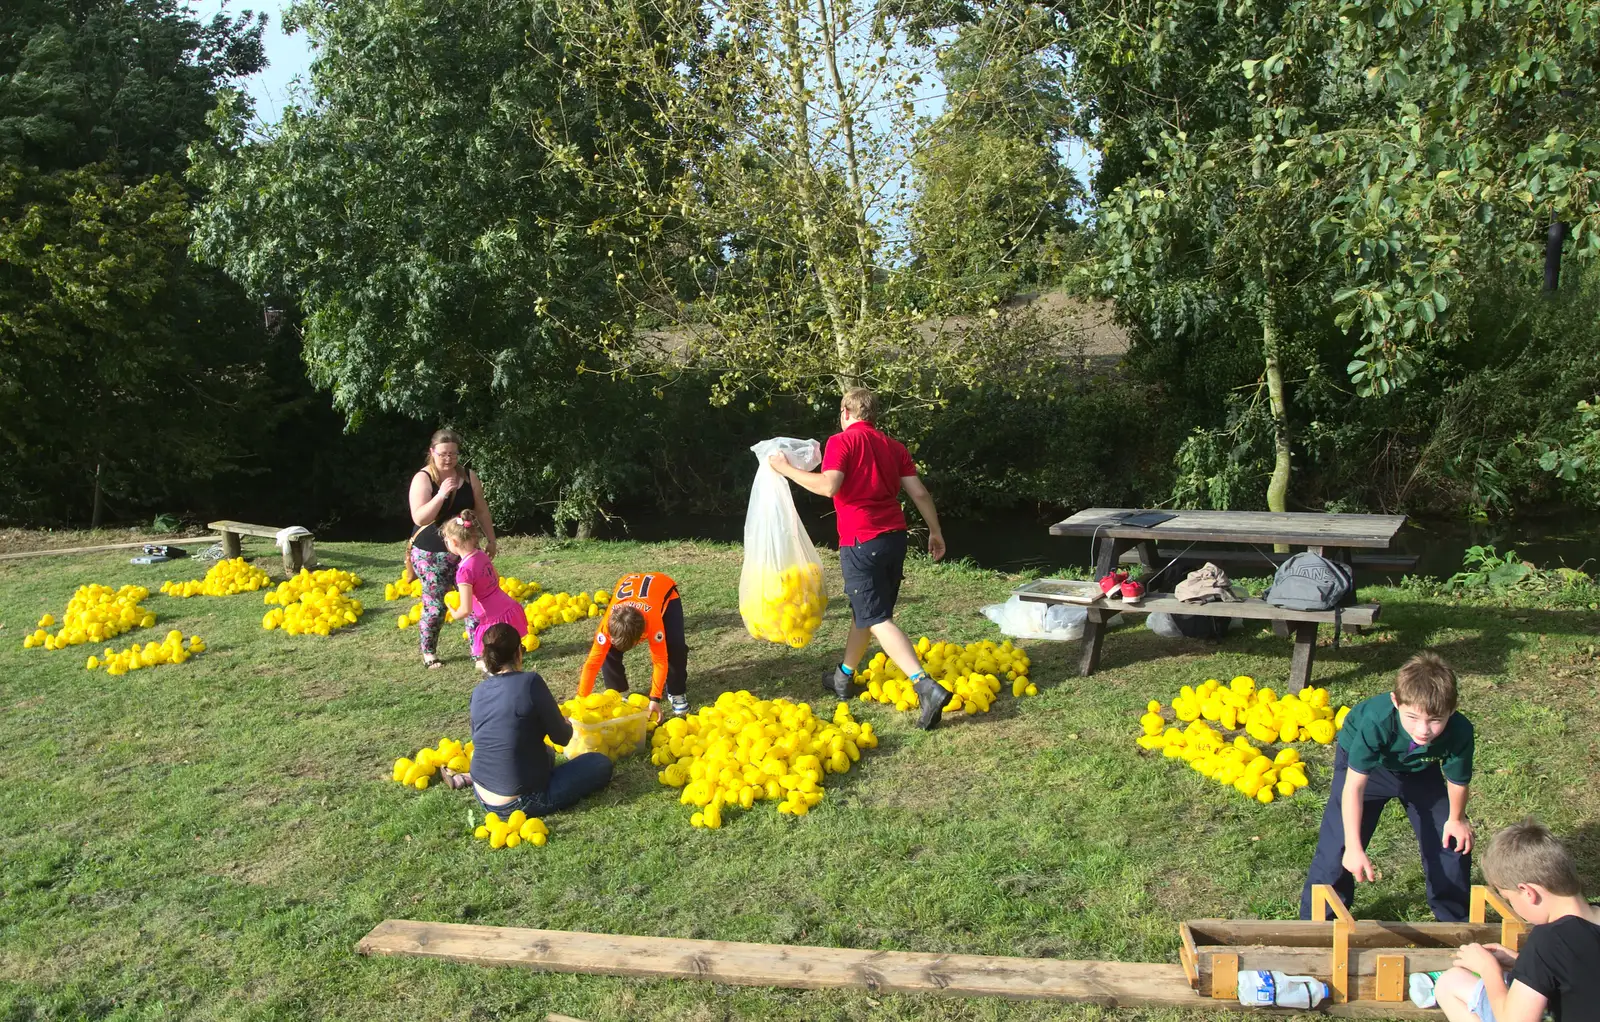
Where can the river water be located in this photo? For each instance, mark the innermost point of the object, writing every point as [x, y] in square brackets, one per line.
[1020, 540]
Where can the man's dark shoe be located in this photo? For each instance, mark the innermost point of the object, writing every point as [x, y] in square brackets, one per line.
[932, 698]
[838, 683]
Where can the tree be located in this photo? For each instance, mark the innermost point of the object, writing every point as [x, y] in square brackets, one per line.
[994, 203]
[1310, 161]
[126, 84]
[780, 259]
[448, 267]
[116, 352]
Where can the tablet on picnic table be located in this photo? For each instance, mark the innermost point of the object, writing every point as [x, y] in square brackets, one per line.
[1059, 590]
[1145, 519]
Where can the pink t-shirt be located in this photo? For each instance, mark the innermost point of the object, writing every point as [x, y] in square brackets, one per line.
[873, 463]
[477, 571]
[491, 605]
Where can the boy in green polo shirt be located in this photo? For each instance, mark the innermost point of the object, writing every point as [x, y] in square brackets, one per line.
[1410, 745]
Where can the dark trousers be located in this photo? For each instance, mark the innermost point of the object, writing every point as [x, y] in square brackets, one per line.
[1427, 803]
[614, 673]
[569, 783]
[873, 570]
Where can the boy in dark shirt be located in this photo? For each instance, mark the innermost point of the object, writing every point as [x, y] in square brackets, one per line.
[1558, 969]
[1410, 745]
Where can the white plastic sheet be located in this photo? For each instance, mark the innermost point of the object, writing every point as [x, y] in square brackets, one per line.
[1021, 619]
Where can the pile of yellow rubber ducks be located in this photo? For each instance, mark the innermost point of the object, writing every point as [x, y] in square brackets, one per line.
[974, 673]
[519, 590]
[517, 829]
[744, 750]
[551, 609]
[400, 589]
[1261, 713]
[314, 603]
[514, 587]
[308, 581]
[417, 771]
[151, 654]
[225, 578]
[1236, 762]
[94, 614]
[786, 606]
[607, 722]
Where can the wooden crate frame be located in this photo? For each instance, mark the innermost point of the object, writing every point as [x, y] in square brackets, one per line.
[1361, 961]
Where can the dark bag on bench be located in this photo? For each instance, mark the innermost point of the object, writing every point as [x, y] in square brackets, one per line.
[1309, 581]
[1201, 626]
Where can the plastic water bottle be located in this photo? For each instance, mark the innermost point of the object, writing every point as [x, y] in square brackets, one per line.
[1277, 989]
[1421, 984]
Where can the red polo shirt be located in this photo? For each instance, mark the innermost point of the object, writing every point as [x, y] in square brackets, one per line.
[873, 463]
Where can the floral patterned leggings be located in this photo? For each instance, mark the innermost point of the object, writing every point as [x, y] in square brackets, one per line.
[438, 574]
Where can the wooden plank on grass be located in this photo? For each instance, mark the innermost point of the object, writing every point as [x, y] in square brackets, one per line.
[102, 548]
[1109, 984]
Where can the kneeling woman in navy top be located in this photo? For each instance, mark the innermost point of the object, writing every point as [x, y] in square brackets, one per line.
[512, 712]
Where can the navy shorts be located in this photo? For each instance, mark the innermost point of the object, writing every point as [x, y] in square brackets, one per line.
[872, 572]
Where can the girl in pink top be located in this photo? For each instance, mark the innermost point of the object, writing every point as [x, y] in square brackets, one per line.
[481, 595]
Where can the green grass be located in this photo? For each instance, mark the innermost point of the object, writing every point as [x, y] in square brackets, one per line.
[211, 840]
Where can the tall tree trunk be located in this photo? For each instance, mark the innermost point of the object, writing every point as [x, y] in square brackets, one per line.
[805, 173]
[1278, 487]
[852, 166]
[1554, 239]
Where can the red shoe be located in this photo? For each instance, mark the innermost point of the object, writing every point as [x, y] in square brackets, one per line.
[1111, 585]
[1132, 592]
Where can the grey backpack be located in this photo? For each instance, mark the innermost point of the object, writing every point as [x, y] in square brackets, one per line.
[1309, 581]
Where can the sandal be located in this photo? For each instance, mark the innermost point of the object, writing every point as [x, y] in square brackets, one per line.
[431, 661]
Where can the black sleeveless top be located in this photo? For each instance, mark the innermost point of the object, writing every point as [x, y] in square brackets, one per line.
[429, 538]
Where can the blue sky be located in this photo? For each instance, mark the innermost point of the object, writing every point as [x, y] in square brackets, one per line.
[288, 56]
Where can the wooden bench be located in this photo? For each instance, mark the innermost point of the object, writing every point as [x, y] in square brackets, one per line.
[1266, 561]
[1305, 624]
[301, 553]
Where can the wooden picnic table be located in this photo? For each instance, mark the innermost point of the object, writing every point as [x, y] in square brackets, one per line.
[1334, 536]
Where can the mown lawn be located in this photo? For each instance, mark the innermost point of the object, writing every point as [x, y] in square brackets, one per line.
[211, 840]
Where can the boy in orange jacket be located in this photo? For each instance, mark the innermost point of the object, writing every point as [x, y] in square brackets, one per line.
[644, 605]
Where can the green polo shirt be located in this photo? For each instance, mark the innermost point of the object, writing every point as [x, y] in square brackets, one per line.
[1372, 738]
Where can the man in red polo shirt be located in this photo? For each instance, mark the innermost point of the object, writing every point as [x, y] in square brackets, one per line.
[863, 470]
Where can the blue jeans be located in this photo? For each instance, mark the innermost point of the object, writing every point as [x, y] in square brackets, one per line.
[569, 783]
[1427, 802]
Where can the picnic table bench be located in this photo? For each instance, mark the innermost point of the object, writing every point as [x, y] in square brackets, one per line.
[1255, 559]
[298, 553]
[1336, 537]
